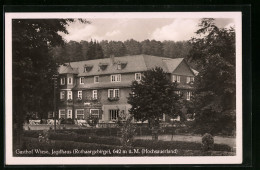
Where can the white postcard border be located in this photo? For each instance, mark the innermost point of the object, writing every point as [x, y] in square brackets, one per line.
[11, 160]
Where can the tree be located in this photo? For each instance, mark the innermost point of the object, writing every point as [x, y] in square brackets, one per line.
[94, 51]
[33, 65]
[153, 96]
[215, 86]
[84, 47]
[133, 47]
[177, 49]
[106, 48]
[117, 48]
[152, 47]
[74, 51]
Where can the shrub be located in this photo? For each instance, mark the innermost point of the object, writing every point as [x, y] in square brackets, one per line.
[127, 133]
[92, 120]
[207, 142]
[84, 138]
[33, 134]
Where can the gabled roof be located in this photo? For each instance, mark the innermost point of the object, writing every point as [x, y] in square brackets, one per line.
[67, 69]
[172, 64]
[135, 63]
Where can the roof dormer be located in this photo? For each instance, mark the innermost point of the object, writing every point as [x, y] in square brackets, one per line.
[88, 67]
[103, 66]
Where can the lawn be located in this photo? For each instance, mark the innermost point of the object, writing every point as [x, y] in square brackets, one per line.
[194, 138]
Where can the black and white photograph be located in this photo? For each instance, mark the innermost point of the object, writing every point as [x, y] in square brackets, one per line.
[99, 88]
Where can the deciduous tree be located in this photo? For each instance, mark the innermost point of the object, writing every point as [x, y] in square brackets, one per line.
[33, 65]
[154, 96]
[215, 86]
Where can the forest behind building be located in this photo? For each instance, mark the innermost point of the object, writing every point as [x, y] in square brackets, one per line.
[88, 50]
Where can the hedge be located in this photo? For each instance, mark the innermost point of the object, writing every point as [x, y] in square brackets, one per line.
[115, 131]
[85, 138]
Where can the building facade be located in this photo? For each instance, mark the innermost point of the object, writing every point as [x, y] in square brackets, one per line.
[100, 87]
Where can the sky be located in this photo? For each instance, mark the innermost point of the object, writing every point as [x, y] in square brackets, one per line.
[122, 29]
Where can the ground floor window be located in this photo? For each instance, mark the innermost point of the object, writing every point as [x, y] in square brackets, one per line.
[69, 114]
[188, 95]
[62, 113]
[79, 114]
[95, 113]
[113, 114]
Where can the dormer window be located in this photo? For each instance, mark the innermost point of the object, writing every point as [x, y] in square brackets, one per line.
[103, 66]
[87, 68]
[119, 66]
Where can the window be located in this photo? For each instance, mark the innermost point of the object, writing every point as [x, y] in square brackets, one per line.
[94, 94]
[110, 93]
[69, 95]
[80, 94]
[116, 78]
[81, 80]
[178, 92]
[119, 66]
[188, 80]
[188, 95]
[62, 81]
[62, 113]
[95, 113]
[62, 95]
[176, 78]
[79, 114]
[113, 114]
[137, 76]
[69, 114]
[96, 79]
[70, 80]
[116, 93]
[113, 93]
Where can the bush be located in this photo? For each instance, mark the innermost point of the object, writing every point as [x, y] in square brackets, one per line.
[207, 142]
[72, 136]
[33, 134]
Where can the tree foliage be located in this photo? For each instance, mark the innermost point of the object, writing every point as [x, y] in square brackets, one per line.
[88, 50]
[153, 96]
[215, 86]
[33, 64]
